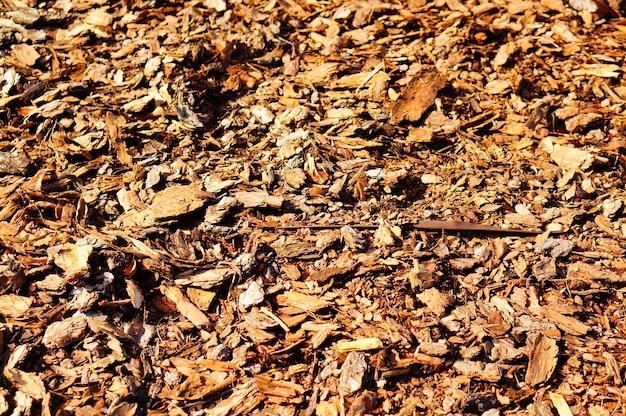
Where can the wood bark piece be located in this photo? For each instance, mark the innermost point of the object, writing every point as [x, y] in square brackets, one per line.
[560, 404]
[184, 306]
[281, 390]
[542, 360]
[418, 95]
[353, 373]
[362, 344]
[566, 323]
[14, 305]
[66, 332]
[301, 301]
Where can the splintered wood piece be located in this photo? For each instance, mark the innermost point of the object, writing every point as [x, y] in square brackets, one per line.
[418, 95]
[612, 367]
[184, 306]
[243, 395]
[362, 344]
[560, 404]
[566, 323]
[300, 300]
[542, 360]
[278, 388]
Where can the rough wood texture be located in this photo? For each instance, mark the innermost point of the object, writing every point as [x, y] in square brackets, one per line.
[304, 207]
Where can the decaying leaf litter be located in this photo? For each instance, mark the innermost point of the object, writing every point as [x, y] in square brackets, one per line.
[155, 158]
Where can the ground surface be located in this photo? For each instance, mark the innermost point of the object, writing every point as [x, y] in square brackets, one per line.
[217, 208]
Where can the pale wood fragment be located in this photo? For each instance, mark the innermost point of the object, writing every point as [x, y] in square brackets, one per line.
[542, 360]
[362, 344]
[561, 405]
[568, 324]
[184, 306]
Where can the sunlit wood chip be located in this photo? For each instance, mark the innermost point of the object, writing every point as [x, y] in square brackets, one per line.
[300, 300]
[478, 370]
[254, 199]
[436, 301]
[14, 305]
[72, 258]
[560, 404]
[253, 295]
[505, 51]
[205, 279]
[542, 360]
[134, 293]
[562, 30]
[568, 324]
[386, 234]
[66, 332]
[363, 344]
[598, 70]
[429, 178]
[29, 383]
[294, 177]
[418, 95]
[178, 200]
[25, 53]
[184, 306]
[583, 121]
[353, 373]
[497, 86]
[278, 388]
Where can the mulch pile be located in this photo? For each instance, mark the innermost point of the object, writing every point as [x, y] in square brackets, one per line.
[312, 208]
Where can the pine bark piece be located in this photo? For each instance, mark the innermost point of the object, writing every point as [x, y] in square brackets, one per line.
[418, 95]
[436, 301]
[177, 200]
[66, 332]
[14, 305]
[72, 258]
[542, 360]
[353, 373]
[205, 279]
[14, 164]
[478, 370]
[113, 125]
